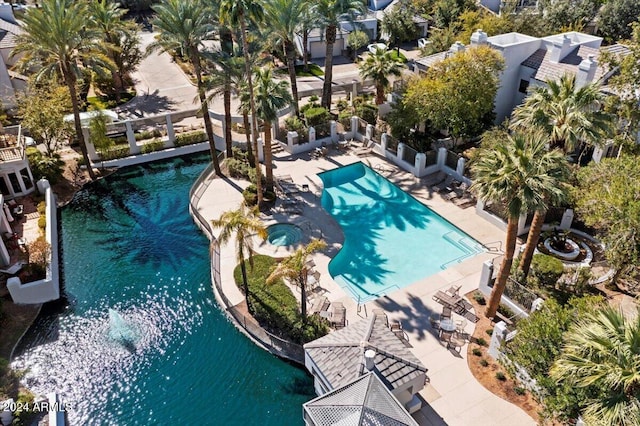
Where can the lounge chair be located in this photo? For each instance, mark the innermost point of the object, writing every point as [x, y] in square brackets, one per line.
[456, 341]
[338, 314]
[446, 313]
[453, 290]
[318, 305]
[446, 299]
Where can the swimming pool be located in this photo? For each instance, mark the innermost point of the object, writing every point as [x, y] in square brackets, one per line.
[390, 239]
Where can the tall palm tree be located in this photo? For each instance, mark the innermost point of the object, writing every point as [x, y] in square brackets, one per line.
[602, 351]
[239, 13]
[378, 67]
[183, 26]
[108, 17]
[244, 223]
[57, 40]
[568, 116]
[295, 268]
[271, 96]
[330, 13]
[513, 171]
[285, 17]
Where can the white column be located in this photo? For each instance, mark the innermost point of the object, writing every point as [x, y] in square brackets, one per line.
[400, 153]
[442, 157]
[354, 126]
[312, 134]
[369, 132]
[260, 150]
[171, 133]
[91, 149]
[460, 166]
[486, 275]
[384, 142]
[420, 164]
[291, 138]
[567, 219]
[498, 336]
[334, 131]
[131, 138]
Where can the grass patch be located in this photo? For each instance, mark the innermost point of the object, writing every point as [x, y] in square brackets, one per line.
[314, 71]
[109, 101]
[400, 58]
[275, 307]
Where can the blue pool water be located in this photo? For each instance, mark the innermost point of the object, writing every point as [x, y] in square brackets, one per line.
[283, 234]
[391, 239]
[140, 339]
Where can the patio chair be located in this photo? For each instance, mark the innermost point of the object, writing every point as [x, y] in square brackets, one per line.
[434, 320]
[446, 313]
[460, 325]
[453, 290]
[313, 280]
[456, 341]
[446, 299]
[318, 305]
[338, 315]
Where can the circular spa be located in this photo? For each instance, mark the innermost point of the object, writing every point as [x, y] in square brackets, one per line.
[283, 234]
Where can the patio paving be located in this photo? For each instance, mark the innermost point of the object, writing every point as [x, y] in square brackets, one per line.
[453, 394]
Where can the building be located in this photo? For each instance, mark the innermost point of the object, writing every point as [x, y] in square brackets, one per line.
[341, 357]
[16, 179]
[532, 61]
[10, 81]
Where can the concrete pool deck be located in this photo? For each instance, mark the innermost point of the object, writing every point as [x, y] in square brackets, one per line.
[453, 392]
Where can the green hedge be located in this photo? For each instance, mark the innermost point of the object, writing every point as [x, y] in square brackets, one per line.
[275, 307]
[317, 116]
[367, 112]
[145, 134]
[190, 138]
[546, 269]
[155, 145]
[114, 152]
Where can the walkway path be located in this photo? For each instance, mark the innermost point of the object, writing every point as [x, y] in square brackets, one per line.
[454, 394]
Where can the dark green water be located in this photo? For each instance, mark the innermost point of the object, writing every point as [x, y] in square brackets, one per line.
[129, 244]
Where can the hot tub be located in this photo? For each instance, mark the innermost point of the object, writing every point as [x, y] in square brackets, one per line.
[283, 234]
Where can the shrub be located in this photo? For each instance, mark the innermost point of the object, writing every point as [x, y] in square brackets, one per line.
[314, 98]
[294, 124]
[250, 195]
[155, 145]
[42, 206]
[43, 166]
[39, 252]
[481, 341]
[190, 138]
[546, 269]
[479, 298]
[317, 116]
[489, 331]
[519, 390]
[42, 222]
[344, 117]
[238, 168]
[476, 352]
[367, 112]
[145, 134]
[116, 151]
[500, 376]
[306, 107]
[484, 362]
[504, 310]
[342, 105]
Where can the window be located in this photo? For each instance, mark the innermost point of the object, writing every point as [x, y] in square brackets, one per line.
[524, 85]
[15, 184]
[26, 180]
[3, 186]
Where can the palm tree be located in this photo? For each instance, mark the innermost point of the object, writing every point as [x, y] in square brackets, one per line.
[244, 223]
[330, 13]
[57, 40]
[568, 116]
[183, 26]
[602, 351]
[296, 269]
[514, 171]
[108, 17]
[239, 13]
[378, 67]
[271, 96]
[285, 17]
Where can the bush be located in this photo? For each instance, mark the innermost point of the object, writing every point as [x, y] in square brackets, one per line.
[546, 269]
[238, 168]
[250, 195]
[489, 331]
[484, 362]
[508, 313]
[500, 376]
[314, 98]
[317, 116]
[275, 307]
[116, 151]
[42, 222]
[476, 352]
[155, 145]
[344, 117]
[190, 138]
[479, 298]
[342, 105]
[367, 112]
[43, 166]
[481, 341]
[145, 134]
[42, 206]
[306, 107]
[519, 390]
[294, 124]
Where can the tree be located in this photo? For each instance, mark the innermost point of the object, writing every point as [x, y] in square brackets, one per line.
[285, 17]
[42, 109]
[512, 172]
[628, 78]
[601, 351]
[57, 40]
[457, 93]
[536, 346]
[244, 223]
[295, 268]
[271, 96]
[446, 12]
[398, 24]
[606, 198]
[567, 114]
[564, 14]
[379, 66]
[330, 13]
[123, 46]
[491, 24]
[98, 134]
[440, 40]
[616, 17]
[356, 40]
[183, 26]
[239, 13]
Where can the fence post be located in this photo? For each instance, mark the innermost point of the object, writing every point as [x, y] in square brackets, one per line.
[498, 336]
[260, 150]
[369, 132]
[131, 138]
[442, 158]
[460, 166]
[485, 277]
[172, 134]
[384, 141]
[400, 152]
[354, 126]
[334, 131]
[420, 164]
[312, 134]
[291, 137]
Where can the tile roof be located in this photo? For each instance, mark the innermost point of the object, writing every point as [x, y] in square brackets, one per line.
[545, 70]
[8, 33]
[429, 61]
[340, 354]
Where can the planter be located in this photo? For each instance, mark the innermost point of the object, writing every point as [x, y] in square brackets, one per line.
[571, 254]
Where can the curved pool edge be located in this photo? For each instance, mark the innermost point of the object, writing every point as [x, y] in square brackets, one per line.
[286, 350]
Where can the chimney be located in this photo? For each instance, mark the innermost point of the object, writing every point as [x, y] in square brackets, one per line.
[560, 49]
[369, 355]
[586, 71]
[478, 38]
[456, 47]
